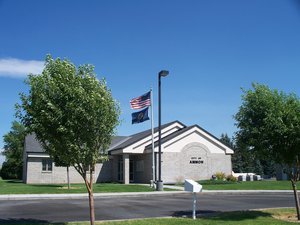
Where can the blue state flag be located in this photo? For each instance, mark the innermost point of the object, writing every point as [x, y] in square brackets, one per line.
[141, 116]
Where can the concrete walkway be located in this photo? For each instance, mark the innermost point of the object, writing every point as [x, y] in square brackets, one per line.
[179, 188]
[131, 194]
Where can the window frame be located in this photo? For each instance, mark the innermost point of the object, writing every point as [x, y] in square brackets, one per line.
[47, 165]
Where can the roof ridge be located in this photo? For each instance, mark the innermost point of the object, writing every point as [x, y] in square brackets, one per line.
[138, 136]
[183, 130]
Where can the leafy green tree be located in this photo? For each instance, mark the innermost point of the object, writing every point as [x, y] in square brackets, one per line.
[60, 163]
[245, 160]
[240, 159]
[269, 122]
[269, 166]
[73, 115]
[227, 140]
[13, 152]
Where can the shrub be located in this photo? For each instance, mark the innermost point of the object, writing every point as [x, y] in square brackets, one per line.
[220, 176]
[10, 171]
[179, 180]
[231, 178]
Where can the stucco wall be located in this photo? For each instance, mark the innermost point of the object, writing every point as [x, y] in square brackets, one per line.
[59, 174]
[177, 166]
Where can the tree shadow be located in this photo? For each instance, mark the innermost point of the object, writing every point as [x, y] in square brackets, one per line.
[14, 181]
[240, 215]
[224, 216]
[27, 222]
[47, 185]
[200, 213]
[34, 185]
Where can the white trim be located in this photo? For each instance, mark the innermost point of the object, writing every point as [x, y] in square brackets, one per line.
[38, 156]
[139, 147]
[195, 135]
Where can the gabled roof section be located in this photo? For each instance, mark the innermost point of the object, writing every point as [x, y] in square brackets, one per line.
[117, 140]
[185, 129]
[139, 136]
[32, 145]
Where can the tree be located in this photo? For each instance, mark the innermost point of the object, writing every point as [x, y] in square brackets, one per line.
[269, 122]
[244, 160]
[73, 115]
[13, 151]
[67, 164]
[227, 140]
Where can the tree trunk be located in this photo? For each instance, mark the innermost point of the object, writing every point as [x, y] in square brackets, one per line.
[91, 198]
[89, 187]
[92, 208]
[296, 197]
[68, 177]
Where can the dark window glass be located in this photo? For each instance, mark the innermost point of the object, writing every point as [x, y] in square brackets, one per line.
[46, 165]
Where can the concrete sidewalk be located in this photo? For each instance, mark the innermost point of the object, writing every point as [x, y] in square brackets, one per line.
[129, 194]
[85, 195]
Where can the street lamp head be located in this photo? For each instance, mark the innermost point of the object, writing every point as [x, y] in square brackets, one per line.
[163, 73]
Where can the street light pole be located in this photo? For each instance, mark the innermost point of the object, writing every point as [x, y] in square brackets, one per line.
[159, 184]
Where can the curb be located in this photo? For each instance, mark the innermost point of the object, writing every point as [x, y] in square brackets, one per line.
[243, 192]
[85, 195]
[130, 194]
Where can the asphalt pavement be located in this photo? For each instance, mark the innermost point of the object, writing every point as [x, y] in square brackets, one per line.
[136, 205]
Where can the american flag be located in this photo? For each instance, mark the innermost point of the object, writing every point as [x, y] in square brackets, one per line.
[141, 101]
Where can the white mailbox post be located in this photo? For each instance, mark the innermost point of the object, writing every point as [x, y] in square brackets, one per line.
[192, 186]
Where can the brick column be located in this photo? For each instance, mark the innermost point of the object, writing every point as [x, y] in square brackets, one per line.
[126, 168]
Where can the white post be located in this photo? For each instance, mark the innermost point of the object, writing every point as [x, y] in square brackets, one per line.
[194, 205]
[152, 129]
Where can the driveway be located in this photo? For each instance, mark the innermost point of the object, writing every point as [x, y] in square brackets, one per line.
[139, 206]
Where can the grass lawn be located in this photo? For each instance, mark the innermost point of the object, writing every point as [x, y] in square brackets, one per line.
[266, 217]
[246, 185]
[230, 218]
[17, 187]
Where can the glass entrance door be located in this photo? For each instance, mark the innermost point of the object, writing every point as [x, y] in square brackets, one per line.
[131, 170]
[120, 169]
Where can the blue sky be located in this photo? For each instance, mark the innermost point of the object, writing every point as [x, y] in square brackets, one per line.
[211, 48]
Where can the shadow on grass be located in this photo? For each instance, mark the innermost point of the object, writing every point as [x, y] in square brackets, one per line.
[33, 185]
[240, 215]
[47, 185]
[13, 181]
[27, 222]
[198, 213]
[224, 216]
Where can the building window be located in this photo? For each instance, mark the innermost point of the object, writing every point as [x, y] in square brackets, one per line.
[46, 165]
[131, 170]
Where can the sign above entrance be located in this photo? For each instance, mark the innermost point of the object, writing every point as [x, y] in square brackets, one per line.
[196, 160]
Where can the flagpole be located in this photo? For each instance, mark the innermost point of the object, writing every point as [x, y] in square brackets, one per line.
[152, 129]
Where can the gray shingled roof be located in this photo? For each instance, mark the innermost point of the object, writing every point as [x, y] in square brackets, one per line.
[139, 136]
[118, 142]
[32, 145]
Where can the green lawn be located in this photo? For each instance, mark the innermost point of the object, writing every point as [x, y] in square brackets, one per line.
[17, 187]
[246, 185]
[231, 218]
[266, 217]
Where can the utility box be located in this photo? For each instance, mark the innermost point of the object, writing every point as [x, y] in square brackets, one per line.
[192, 186]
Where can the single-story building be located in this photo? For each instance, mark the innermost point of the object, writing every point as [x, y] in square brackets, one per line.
[188, 152]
